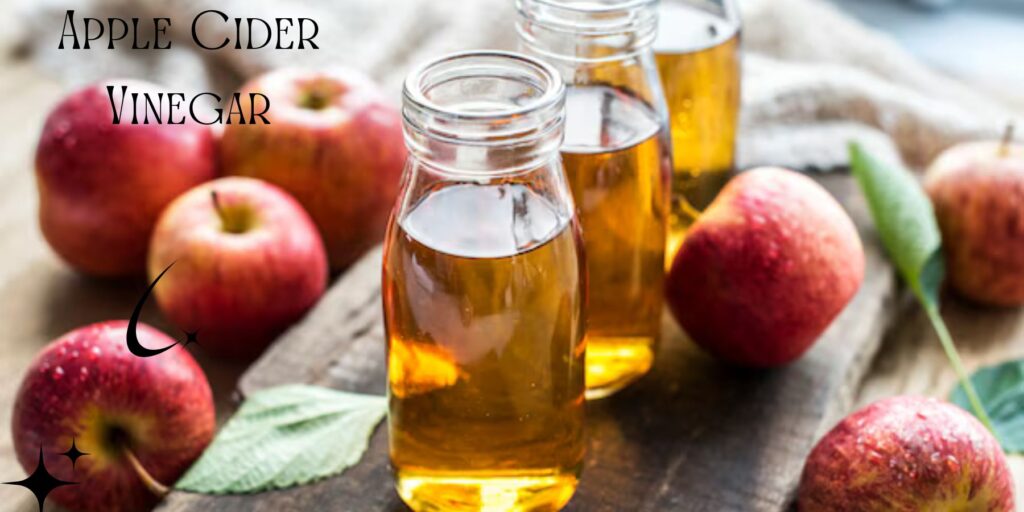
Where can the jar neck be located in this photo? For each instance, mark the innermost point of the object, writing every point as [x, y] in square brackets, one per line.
[587, 31]
[484, 113]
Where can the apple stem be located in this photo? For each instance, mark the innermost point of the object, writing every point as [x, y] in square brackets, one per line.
[158, 489]
[220, 210]
[1004, 147]
[946, 339]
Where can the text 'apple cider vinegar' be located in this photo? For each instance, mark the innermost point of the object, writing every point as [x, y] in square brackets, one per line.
[698, 54]
[617, 161]
[483, 289]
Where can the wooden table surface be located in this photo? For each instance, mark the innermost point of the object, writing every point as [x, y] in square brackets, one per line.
[40, 298]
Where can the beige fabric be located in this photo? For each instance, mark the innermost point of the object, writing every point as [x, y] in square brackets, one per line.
[813, 78]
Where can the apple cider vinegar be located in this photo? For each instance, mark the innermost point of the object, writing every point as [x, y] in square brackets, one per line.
[615, 162]
[698, 55]
[486, 346]
[484, 293]
[618, 163]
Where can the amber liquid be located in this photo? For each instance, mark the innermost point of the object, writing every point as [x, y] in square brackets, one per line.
[699, 64]
[617, 166]
[483, 296]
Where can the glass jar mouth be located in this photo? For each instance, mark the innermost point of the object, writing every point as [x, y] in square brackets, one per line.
[591, 17]
[484, 97]
[597, 5]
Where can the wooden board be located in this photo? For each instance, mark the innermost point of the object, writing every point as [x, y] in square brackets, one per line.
[693, 435]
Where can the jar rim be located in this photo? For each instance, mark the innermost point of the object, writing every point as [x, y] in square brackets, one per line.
[553, 88]
[483, 107]
[592, 6]
[606, 18]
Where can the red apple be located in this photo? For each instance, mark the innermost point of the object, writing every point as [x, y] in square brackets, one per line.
[102, 185]
[335, 143]
[978, 193]
[87, 387]
[907, 454]
[248, 262]
[765, 269]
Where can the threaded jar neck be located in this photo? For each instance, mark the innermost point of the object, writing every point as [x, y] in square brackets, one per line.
[484, 111]
[587, 30]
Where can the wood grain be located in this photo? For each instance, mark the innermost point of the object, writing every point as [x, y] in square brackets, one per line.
[693, 435]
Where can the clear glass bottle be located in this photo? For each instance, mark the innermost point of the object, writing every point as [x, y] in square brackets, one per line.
[699, 64]
[618, 162]
[484, 288]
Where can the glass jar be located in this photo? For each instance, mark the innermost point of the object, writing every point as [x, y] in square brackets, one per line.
[484, 288]
[618, 163]
[699, 63]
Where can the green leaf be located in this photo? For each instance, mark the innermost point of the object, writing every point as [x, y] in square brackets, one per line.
[1001, 390]
[906, 224]
[286, 436]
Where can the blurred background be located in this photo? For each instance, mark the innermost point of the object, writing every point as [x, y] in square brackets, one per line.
[981, 41]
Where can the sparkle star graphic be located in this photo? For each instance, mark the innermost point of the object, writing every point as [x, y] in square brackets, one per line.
[73, 453]
[41, 482]
[190, 338]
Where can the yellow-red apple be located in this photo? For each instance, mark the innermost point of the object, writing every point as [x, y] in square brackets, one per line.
[248, 262]
[334, 143]
[765, 269]
[87, 387]
[978, 193]
[907, 454]
[102, 185]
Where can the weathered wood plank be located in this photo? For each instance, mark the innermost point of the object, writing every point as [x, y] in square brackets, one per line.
[693, 435]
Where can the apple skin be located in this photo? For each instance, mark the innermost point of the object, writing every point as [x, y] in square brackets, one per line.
[102, 186]
[238, 290]
[978, 193]
[907, 454]
[342, 162]
[86, 385]
[765, 269]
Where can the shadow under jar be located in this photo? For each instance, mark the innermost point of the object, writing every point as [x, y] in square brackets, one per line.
[618, 163]
[483, 288]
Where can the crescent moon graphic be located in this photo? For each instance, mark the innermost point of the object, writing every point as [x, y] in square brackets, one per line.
[134, 346]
